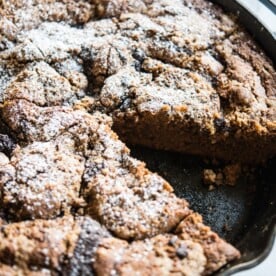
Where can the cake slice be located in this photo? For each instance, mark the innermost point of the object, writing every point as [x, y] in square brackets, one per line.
[69, 161]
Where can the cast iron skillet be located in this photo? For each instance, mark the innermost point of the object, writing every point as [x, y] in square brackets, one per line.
[245, 215]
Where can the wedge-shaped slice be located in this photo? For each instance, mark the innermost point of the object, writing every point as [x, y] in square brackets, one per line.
[72, 156]
[216, 250]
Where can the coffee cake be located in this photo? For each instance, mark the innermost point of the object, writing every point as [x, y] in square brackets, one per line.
[179, 76]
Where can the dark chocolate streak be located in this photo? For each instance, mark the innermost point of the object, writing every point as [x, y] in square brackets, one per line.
[82, 260]
[6, 144]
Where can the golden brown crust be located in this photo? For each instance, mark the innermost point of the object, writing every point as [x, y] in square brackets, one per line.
[193, 250]
[231, 112]
[80, 245]
[50, 247]
[216, 250]
[161, 255]
[73, 160]
[175, 75]
[38, 243]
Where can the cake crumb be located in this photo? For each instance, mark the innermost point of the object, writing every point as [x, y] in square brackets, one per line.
[232, 173]
[209, 176]
[227, 175]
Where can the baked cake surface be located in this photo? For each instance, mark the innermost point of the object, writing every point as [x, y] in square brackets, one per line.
[174, 75]
[66, 161]
[81, 246]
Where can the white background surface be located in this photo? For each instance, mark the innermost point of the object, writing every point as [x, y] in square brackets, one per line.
[264, 15]
[268, 266]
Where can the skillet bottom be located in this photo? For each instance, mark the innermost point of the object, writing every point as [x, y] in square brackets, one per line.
[244, 215]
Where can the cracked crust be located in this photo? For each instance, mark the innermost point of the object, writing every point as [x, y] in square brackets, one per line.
[50, 247]
[41, 84]
[210, 86]
[74, 160]
[161, 255]
[184, 64]
[42, 180]
[217, 251]
[74, 246]
[127, 198]
[176, 75]
[193, 250]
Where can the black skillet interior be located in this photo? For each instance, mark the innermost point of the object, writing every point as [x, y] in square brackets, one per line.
[244, 215]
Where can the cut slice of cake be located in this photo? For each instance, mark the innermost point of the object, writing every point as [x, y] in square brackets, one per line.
[64, 246]
[68, 160]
